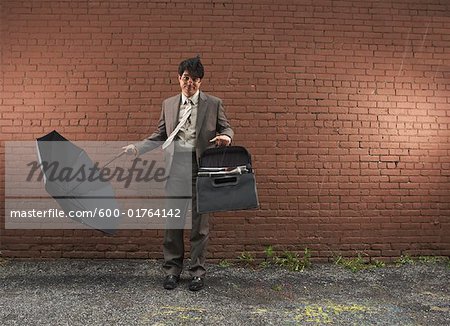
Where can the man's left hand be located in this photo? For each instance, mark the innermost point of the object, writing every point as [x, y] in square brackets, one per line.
[221, 140]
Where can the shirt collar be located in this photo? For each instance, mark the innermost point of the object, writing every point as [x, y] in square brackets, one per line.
[193, 98]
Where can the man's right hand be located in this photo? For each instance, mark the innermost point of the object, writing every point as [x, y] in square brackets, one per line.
[130, 150]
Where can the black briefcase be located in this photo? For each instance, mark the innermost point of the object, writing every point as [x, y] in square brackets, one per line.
[225, 180]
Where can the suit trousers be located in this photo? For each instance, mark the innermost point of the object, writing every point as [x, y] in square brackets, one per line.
[173, 245]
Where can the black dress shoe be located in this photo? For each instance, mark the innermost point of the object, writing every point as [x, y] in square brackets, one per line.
[171, 282]
[196, 284]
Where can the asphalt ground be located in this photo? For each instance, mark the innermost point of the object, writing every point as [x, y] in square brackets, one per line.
[130, 292]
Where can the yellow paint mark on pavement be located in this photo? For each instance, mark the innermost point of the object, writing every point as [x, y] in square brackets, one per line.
[314, 313]
[442, 309]
[326, 313]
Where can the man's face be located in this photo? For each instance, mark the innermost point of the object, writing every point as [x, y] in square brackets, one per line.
[189, 85]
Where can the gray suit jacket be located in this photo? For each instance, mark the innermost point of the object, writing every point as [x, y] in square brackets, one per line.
[211, 121]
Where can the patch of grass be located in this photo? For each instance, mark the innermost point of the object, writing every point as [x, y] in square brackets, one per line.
[246, 258]
[353, 264]
[293, 262]
[287, 259]
[404, 260]
[432, 259]
[277, 287]
[358, 263]
[270, 253]
[269, 257]
[225, 263]
[378, 263]
[265, 264]
[408, 260]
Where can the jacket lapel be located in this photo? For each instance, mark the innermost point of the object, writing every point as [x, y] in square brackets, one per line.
[172, 113]
[202, 106]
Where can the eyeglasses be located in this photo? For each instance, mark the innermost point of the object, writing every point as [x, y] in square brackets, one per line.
[186, 78]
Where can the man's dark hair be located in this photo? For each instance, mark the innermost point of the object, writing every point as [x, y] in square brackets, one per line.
[193, 66]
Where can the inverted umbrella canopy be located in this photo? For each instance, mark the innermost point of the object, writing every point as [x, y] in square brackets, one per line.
[72, 179]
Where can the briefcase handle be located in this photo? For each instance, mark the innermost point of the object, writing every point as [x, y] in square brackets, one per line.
[225, 181]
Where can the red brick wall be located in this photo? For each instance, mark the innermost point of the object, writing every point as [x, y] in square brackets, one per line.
[345, 106]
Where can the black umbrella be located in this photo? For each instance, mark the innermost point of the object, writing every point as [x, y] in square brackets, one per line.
[74, 181]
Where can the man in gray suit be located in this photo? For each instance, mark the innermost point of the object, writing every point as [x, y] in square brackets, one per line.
[190, 123]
